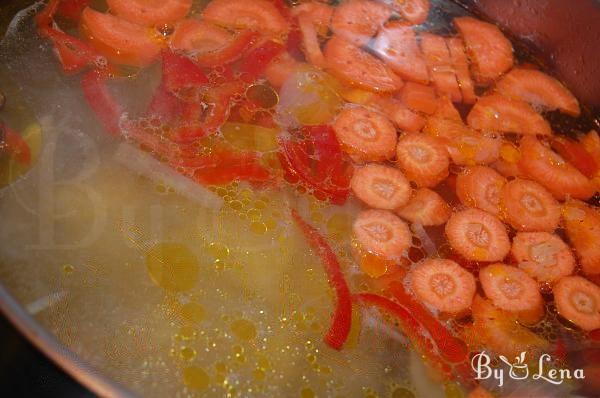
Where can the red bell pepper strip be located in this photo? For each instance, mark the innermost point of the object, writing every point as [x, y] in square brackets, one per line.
[409, 325]
[574, 153]
[342, 316]
[179, 72]
[96, 93]
[15, 145]
[228, 54]
[452, 348]
[256, 61]
[73, 53]
[224, 167]
[318, 163]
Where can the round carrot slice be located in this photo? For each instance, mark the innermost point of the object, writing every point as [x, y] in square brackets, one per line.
[358, 20]
[397, 45]
[538, 89]
[365, 135]
[355, 66]
[582, 223]
[552, 171]
[480, 187]
[443, 284]
[498, 113]
[419, 98]
[477, 235]
[426, 207]
[257, 15]
[423, 159]
[544, 256]
[578, 300]
[414, 11]
[120, 41]
[150, 13]
[528, 206]
[382, 233]
[512, 289]
[490, 52]
[499, 332]
[381, 187]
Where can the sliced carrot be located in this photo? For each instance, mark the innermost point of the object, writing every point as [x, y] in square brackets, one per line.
[426, 207]
[150, 13]
[477, 235]
[257, 15]
[466, 146]
[528, 206]
[544, 256]
[446, 109]
[381, 187]
[120, 41]
[419, 98]
[500, 332]
[357, 67]
[210, 45]
[582, 223]
[508, 163]
[319, 13]
[414, 11]
[439, 63]
[310, 41]
[423, 159]
[461, 67]
[578, 300]
[382, 233]
[280, 69]
[397, 45]
[358, 20]
[512, 289]
[398, 113]
[498, 113]
[538, 89]
[575, 153]
[490, 52]
[365, 135]
[552, 171]
[480, 187]
[443, 285]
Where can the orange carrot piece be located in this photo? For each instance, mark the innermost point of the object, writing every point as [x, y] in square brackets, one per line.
[380, 186]
[419, 98]
[477, 235]
[480, 187]
[404, 118]
[382, 233]
[358, 20]
[544, 256]
[582, 224]
[150, 13]
[423, 159]
[257, 15]
[426, 207]
[461, 67]
[528, 206]
[440, 66]
[578, 300]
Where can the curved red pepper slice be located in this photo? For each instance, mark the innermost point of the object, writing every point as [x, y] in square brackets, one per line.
[224, 167]
[574, 153]
[452, 348]
[15, 145]
[96, 93]
[231, 52]
[256, 60]
[318, 162]
[342, 316]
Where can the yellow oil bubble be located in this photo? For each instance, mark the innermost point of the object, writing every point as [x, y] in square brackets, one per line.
[236, 205]
[311, 358]
[187, 353]
[307, 393]
[254, 215]
[160, 188]
[172, 266]
[221, 367]
[218, 250]
[195, 378]
[68, 268]
[187, 333]
[192, 312]
[260, 204]
[243, 329]
[401, 392]
[221, 191]
[263, 362]
[259, 374]
[270, 224]
[258, 228]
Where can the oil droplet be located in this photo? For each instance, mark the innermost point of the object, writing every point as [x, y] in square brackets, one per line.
[195, 378]
[258, 228]
[402, 392]
[236, 205]
[221, 367]
[270, 224]
[243, 329]
[254, 215]
[160, 188]
[172, 266]
[307, 393]
[218, 250]
[311, 358]
[259, 374]
[192, 312]
[187, 353]
[68, 268]
[260, 204]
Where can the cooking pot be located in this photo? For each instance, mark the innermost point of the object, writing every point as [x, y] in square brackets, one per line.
[560, 35]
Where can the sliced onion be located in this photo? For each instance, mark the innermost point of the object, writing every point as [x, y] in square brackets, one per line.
[426, 241]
